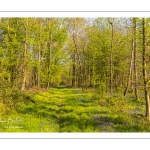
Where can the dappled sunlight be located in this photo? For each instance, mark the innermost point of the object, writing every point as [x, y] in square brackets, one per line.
[69, 110]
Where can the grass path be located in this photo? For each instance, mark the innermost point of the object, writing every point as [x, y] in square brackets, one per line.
[71, 110]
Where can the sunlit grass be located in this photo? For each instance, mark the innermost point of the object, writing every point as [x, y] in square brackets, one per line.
[71, 110]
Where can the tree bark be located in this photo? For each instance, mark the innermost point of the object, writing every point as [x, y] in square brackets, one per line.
[74, 68]
[147, 99]
[129, 74]
[39, 66]
[39, 57]
[135, 60]
[24, 55]
[111, 56]
[49, 63]
[50, 56]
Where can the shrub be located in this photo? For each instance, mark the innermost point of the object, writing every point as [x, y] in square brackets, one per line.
[2, 108]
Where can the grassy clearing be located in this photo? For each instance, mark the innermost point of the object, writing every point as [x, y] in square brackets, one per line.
[71, 110]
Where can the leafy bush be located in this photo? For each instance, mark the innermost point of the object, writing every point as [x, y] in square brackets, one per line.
[13, 98]
[2, 108]
[102, 88]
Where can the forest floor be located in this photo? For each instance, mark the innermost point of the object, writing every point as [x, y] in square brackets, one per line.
[71, 110]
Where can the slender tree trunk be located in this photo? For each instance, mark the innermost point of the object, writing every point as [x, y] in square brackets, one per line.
[74, 71]
[93, 73]
[111, 57]
[135, 60]
[111, 75]
[24, 72]
[89, 72]
[39, 56]
[74, 67]
[50, 57]
[79, 63]
[147, 99]
[49, 65]
[129, 74]
[39, 60]
[129, 78]
[39, 66]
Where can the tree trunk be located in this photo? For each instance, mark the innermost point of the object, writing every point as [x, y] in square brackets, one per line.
[93, 72]
[49, 65]
[49, 57]
[135, 60]
[129, 75]
[74, 68]
[24, 72]
[39, 56]
[39, 66]
[111, 57]
[145, 72]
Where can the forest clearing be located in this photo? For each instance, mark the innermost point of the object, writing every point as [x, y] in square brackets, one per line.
[74, 74]
[71, 110]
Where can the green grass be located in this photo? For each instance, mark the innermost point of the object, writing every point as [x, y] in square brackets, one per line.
[71, 110]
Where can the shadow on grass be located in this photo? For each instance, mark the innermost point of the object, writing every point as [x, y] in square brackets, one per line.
[64, 112]
[77, 112]
[62, 87]
[72, 112]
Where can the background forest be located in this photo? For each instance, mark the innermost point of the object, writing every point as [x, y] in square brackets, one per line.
[105, 61]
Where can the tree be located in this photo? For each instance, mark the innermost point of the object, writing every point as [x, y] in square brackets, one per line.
[77, 44]
[133, 62]
[111, 22]
[145, 78]
[24, 57]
